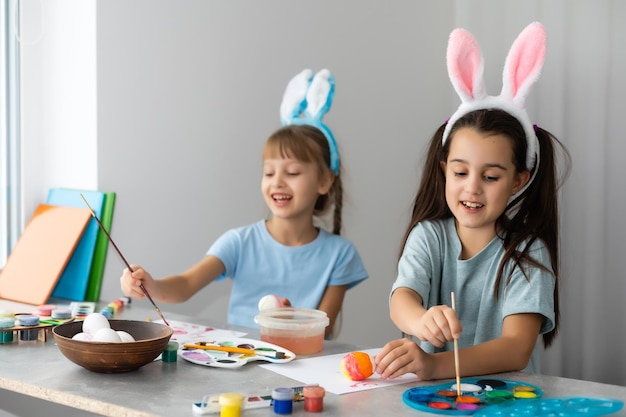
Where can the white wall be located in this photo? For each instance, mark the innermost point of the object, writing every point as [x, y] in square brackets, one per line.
[58, 83]
[187, 98]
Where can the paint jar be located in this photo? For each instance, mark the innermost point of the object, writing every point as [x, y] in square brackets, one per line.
[61, 313]
[313, 398]
[170, 353]
[282, 398]
[28, 335]
[230, 404]
[45, 310]
[6, 336]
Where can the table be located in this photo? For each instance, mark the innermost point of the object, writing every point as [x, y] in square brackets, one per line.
[170, 388]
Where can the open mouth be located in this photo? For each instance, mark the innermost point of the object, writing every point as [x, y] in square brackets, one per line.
[471, 205]
[281, 197]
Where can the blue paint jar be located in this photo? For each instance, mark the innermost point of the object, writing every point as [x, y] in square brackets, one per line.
[282, 398]
[6, 336]
[28, 335]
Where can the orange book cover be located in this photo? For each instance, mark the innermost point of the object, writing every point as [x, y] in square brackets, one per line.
[41, 253]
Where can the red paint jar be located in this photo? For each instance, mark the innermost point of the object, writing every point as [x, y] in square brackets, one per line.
[313, 398]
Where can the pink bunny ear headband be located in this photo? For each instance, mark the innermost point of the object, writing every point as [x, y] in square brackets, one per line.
[521, 70]
[306, 100]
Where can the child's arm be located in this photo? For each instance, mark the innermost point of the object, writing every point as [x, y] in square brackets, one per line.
[436, 325]
[331, 304]
[175, 288]
[510, 352]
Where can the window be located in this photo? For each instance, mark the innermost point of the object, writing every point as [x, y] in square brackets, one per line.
[10, 194]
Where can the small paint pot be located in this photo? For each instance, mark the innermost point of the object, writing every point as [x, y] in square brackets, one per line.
[61, 313]
[28, 335]
[282, 398]
[230, 404]
[7, 313]
[313, 398]
[6, 336]
[170, 353]
[45, 310]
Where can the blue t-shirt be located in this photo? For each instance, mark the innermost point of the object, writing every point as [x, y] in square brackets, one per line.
[259, 265]
[431, 265]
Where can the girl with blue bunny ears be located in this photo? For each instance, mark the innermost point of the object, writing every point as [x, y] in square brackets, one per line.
[484, 230]
[287, 254]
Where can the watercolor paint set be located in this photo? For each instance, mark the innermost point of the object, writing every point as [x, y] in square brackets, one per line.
[483, 397]
[210, 403]
[476, 394]
[232, 352]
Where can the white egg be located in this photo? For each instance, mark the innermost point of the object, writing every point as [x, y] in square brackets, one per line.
[106, 334]
[86, 337]
[94, 322]
[125, 336]
[270, 301]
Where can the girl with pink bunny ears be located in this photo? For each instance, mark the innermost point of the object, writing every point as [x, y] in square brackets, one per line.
[286, 254]
[484, 226]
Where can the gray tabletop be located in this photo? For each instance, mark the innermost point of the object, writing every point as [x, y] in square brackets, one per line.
[170, 389]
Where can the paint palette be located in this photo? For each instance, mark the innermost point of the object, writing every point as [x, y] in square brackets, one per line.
[477, 394]
[257, 350]
[552, 407]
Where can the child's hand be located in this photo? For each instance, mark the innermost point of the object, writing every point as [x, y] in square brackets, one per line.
[403, 356]
[438, 325]
[131, 282]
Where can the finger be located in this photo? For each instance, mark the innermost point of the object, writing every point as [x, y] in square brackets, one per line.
[454, 326]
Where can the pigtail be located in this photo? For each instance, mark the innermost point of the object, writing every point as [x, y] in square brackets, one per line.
[337, 193]
[537, 217]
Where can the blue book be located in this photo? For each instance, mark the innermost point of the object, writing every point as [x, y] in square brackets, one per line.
[75, 278]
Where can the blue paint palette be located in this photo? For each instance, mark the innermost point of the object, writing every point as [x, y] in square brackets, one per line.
[477, 394]
[553, 407]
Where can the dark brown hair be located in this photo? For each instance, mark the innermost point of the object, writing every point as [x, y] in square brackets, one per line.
[308, 144]
[533, 215]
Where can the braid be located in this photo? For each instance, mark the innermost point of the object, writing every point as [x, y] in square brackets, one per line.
[337, 191]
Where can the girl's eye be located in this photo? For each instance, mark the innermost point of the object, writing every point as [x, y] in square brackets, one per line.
[460, 174]
[268, 174]
[293, 173]
[491, 179]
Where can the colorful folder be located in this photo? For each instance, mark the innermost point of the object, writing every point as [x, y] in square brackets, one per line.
[75, 278]
[40, 255]
[100, 253]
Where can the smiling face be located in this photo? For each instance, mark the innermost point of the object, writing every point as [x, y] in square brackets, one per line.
[480, 178]
[291, 187]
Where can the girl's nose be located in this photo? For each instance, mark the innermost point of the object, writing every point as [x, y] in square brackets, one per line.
[473, 185]
[278, 179]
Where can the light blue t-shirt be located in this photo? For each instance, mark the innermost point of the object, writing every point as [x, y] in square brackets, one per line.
[259, 265]
[430, 265]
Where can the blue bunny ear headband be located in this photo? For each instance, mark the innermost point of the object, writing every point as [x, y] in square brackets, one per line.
[306, 100]
[521, 70]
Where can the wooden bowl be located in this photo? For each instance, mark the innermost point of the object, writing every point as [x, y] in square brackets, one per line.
[111, 357]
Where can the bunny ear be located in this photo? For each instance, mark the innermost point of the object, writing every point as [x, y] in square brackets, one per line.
[523, 63]
[465, 66]
[320, 95]
[294, 98]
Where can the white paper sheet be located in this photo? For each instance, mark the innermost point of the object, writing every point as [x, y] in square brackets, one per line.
[185, 331]
[326, 371]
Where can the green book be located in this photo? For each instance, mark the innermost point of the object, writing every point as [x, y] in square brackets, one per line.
[100, 252]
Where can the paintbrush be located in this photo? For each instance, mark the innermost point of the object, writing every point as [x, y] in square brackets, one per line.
[93, 214]
[233, 349]
[456, 356]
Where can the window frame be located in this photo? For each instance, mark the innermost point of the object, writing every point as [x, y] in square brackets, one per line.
[11, 196]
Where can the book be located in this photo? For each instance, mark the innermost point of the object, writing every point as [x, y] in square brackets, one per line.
[41, 253]
[100, 254]
[75, 278]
